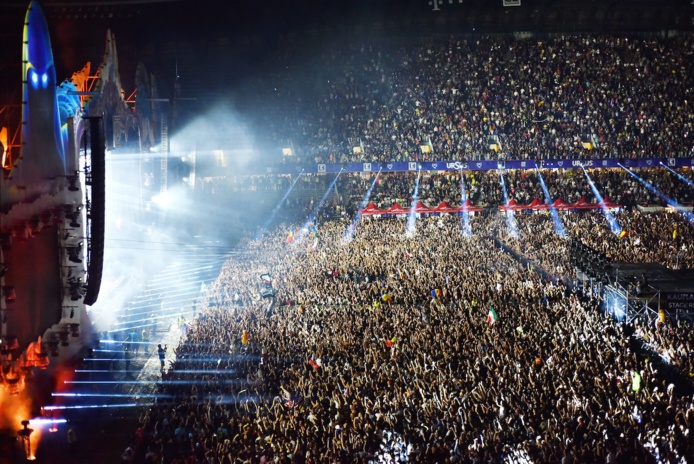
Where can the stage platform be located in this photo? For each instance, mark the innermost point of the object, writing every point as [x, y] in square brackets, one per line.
[674, 288]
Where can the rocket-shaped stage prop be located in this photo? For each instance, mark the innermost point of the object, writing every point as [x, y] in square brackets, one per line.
[42, 156]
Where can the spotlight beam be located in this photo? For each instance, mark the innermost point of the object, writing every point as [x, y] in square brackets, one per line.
[126, 329]
[157, 382]
[211, 359]
[614, 225]
[558, 226]
[168, 316]
[225, 399]
[349, 233]
[163, 289]
[670, 202]
[174, 298]
[131, 371]
[144, 315]
[412, 215]
[312, 218]
[467, 228]
[123, 342]
[182, 294]
[277, 208]
[92, 406]
[110, 395]
[681, 177]
[39, 422]
[142, 308]
[510, 215]
[166, 276]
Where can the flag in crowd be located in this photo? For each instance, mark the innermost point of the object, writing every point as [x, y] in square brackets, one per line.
[492, 317]
[315, 364]
[293, 400]
[636, 382]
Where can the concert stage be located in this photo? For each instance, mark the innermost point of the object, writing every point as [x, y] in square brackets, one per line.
[668, 289]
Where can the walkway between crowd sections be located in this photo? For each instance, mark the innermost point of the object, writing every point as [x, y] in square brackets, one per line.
[114, 383]
[151, 372]
[178, 289]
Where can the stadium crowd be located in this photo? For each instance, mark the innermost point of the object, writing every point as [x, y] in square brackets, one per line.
[322, 343]
[481, 187]
[484, 189]
[432, 346]
[539, 97]
[424, 347]
[674, 342]
[663, 238]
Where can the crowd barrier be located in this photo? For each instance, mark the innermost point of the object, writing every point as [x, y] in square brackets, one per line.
[483, 165]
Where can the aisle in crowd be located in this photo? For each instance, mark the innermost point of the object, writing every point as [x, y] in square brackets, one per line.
[125, 360]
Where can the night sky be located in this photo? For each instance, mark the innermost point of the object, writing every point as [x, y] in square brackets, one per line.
[220, 44]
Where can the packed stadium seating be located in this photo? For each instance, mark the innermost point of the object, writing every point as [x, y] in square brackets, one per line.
[561, 96]
[433, 347]
[441, 338]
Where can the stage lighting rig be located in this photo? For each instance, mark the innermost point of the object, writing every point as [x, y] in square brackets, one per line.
[72, 213]
[52, 345]
[74, 329]
[73, 253]
[77, 288]
[73, 182]
[63, 336]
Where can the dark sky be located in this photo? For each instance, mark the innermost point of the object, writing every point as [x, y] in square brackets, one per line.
[158, 31]
[227, 41]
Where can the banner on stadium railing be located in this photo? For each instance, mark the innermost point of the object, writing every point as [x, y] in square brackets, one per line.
[679, 301]
[484, 165]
